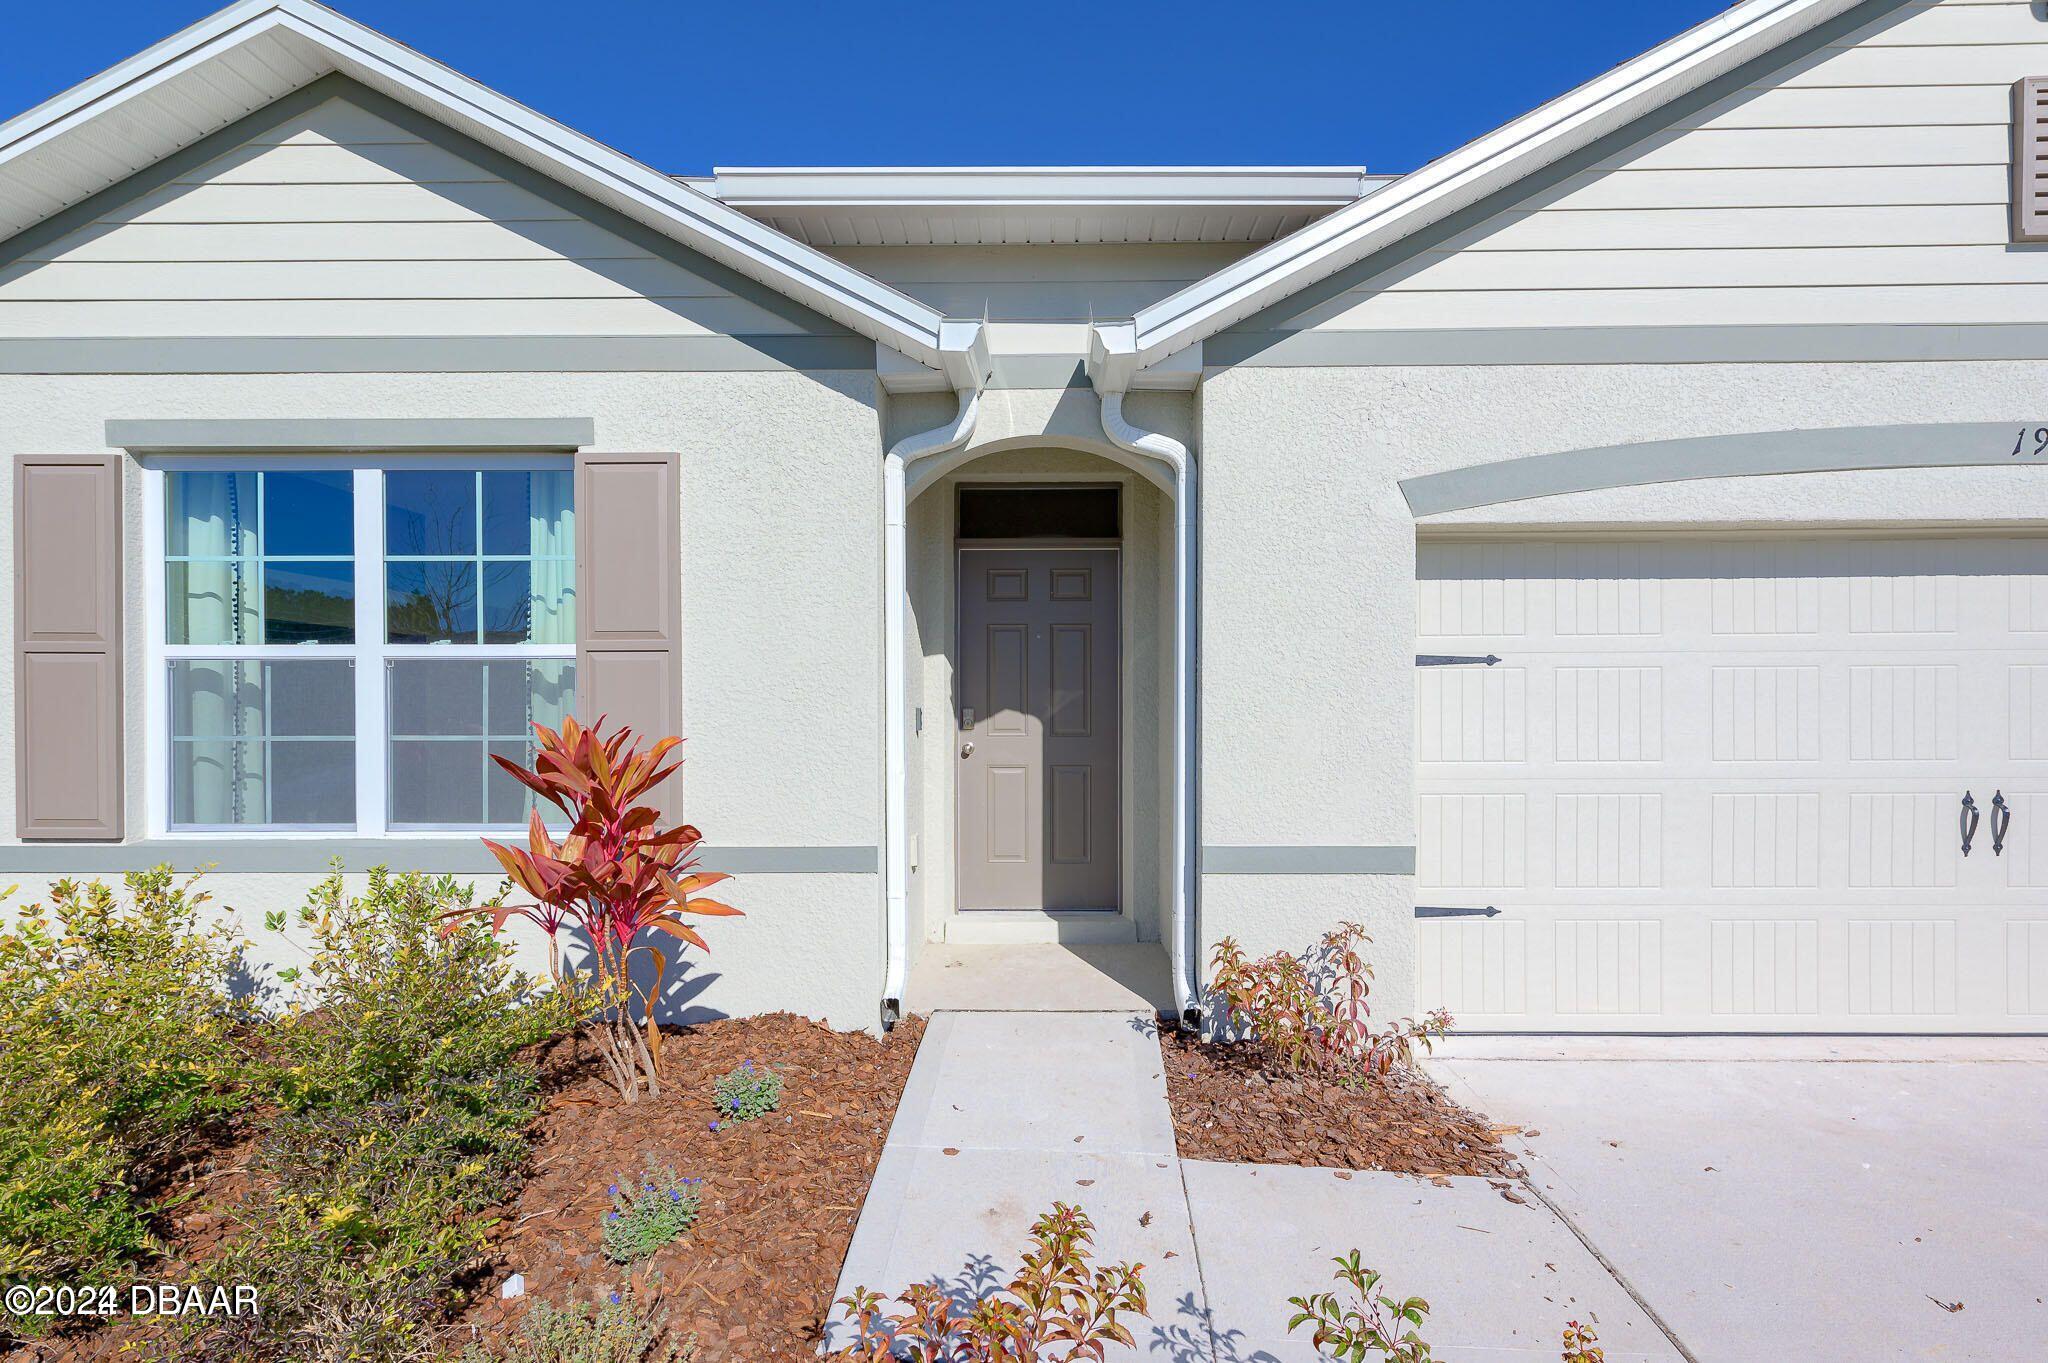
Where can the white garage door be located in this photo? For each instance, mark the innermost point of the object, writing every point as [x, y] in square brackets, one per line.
[1719, 784]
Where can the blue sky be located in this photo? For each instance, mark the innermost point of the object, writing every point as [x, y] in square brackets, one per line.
[685, 86]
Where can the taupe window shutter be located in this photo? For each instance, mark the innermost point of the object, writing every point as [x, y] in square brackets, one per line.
[67, 650]
[629, 596]
[2030, 159]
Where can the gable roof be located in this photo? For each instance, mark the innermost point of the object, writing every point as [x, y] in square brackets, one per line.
[246, 56]
[1486, 165]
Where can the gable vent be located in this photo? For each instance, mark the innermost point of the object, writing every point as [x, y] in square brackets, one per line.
[2030, 159]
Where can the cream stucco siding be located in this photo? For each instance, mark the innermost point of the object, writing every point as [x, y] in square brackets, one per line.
[781, 557]
[1309, 613]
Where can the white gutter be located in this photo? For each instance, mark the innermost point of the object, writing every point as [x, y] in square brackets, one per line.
[1111, 370]
[967, 368]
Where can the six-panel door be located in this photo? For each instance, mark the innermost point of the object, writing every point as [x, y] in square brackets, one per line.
[1038, 783]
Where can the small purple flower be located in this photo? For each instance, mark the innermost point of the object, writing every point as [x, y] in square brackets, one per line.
[613, 1190]
[674, 1196]
[735, 1105]
[714, 1126]
[615, 1299]
[611, 1216]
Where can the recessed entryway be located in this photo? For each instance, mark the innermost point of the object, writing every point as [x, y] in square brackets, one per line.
[1038, 786]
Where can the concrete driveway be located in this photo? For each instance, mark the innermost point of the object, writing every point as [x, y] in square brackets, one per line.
[1795, 1200]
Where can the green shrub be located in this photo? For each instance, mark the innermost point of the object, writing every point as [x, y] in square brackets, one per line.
[746, 1093]
[1371, 1324]
[643, 1219]
[615, 1333]
[403, 989]
[406, 1117]
[121, 1037]
[374, 1217]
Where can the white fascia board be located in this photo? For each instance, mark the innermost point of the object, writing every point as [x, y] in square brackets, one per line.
[186, 48]
[801, 272]
[762, 187]
[1489, 163]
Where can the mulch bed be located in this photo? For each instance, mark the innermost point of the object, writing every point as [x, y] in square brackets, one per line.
[754, 1279]
[1229, 1105]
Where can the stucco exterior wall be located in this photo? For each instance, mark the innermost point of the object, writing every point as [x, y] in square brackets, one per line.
[781, 537]
[1308, 563]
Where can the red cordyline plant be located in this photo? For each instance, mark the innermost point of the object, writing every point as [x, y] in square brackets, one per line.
[1311, 1012]
[1057, 1306]
[614, 876]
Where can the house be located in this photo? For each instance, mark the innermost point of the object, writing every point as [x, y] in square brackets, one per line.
[1607, 562]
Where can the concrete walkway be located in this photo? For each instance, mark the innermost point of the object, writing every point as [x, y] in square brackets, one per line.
[1006, 1113]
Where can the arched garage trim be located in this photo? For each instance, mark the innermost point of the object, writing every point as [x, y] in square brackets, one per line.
[1931, 445]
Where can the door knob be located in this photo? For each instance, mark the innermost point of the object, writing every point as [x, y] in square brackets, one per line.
[967, 750]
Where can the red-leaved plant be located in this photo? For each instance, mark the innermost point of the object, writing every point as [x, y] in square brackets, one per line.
[1058, 1306]
[1311, 1012]
[1581, 1345]
[614, 876]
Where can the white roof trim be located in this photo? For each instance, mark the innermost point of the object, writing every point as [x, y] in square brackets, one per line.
[1463, 177]
[32, 143]
[750, 186]
[842, 206]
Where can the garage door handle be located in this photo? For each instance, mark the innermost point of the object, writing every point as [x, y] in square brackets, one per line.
[1969, 821]
[2001, 819]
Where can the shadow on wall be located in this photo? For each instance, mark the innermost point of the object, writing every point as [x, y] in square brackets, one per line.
[685, 980]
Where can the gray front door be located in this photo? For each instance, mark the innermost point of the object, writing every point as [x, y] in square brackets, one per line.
[1039, 729]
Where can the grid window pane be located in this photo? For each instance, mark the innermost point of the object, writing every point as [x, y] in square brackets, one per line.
[257, 742]
[308, 602]
[448, 717]
[227, 579]
[211, 514]
[308, 513]
[480, 556]
[212, 602]
[530, 602]
[431, 603]
[435, 784]
[430, 512]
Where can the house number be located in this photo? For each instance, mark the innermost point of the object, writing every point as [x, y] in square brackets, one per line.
[2031, 444]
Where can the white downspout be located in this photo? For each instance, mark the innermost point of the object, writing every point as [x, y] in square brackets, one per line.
[1182, 950]
[895, 642]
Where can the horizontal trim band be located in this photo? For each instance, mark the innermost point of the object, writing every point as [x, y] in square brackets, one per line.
[431, 354]
[367, 433]
[1308, 861]
[452, 856]
[1832, 449]
[1788, 344]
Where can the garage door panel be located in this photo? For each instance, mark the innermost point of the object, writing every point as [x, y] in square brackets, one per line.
[1717, 783]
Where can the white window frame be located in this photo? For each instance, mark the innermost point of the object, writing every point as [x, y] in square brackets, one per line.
[369, 651]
